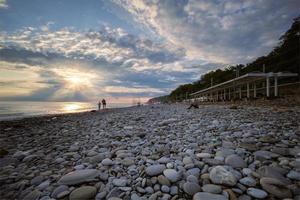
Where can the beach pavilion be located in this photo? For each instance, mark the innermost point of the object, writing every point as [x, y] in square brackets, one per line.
[246, 85]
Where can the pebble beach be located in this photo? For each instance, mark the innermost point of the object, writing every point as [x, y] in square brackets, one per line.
[155, 152]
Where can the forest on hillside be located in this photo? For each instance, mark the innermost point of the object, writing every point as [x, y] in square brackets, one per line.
[285, 57]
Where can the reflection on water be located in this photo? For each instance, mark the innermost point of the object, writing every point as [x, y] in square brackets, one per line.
[16, 109]
[26, 108]
[72, 107]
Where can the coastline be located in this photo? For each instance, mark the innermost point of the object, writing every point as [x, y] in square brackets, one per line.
[126, 151]
[5, 118]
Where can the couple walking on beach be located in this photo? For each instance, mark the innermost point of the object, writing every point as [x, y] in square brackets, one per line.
[103, 103]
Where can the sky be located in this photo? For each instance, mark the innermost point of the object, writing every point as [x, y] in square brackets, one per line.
[78, 50]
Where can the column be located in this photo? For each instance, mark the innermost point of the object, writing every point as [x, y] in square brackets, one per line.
[275, 86]
[268, 86]
[254, 90]
[240, 91]
[229, 94]
[248, 91]
[224, 97]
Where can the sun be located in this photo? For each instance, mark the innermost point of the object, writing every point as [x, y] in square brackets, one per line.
[76, 80]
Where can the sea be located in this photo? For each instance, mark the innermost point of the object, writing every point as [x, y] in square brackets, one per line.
[21, 109]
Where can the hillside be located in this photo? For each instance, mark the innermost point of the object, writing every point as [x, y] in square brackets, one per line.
[284, 57]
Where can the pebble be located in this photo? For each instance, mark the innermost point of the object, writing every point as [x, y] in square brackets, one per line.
[171, 174]
[248, 181]
[155, 170]
[257, 193]
[155, 152]
[78, 176]
[83, 193]
[219, 175]
[60, 191]
[294, 175]
[208, 196]
[211, 188]
[165, 189]
[120, 182]
[235, 161]
[203, 155]
[107, 162]
[275, 187]
[191, 188]
[163, 180]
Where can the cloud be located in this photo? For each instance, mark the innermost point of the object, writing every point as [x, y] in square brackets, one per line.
[109, 45]
[181, 40]
[3, 4]
[216, 31]
[121, 64]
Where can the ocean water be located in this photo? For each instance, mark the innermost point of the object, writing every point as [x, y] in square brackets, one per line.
[21, 109]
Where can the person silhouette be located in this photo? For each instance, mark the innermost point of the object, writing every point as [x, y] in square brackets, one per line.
[104, 103]
[99, 105]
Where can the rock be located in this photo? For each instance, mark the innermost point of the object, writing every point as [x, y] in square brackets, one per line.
[37, 180]
[268, 139]
[193, 171]
[248, 181]
[95, 159]
[30, 158]
[59, 160]
[43, 185]
[174, 190]
[208, 196]
[263, 155]
[165, 189]
[163, 180]
[155, 170]
[211, 161]
[60, 192]
[294, 175]
[247, 171]
[187, 160]
[134, 196]
[79, 176]
[224, 152]
[34, 195]
[275, 187]
[235, 161]
[83, 193]
[127, 161]
[171, 174]
[271, 172]
[249, 146]
[219, 175]
[101, 195]
[257, 193]
[163, 160]
[107, 162]
[120, 182]
[114, 193]
[231, 194]
[244, 197]
[192, 178]
[74, 148]
[203, 155]
[211, 188]
[281, 151]
[191, 188]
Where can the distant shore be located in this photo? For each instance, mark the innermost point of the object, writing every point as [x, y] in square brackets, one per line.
[153, 152]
